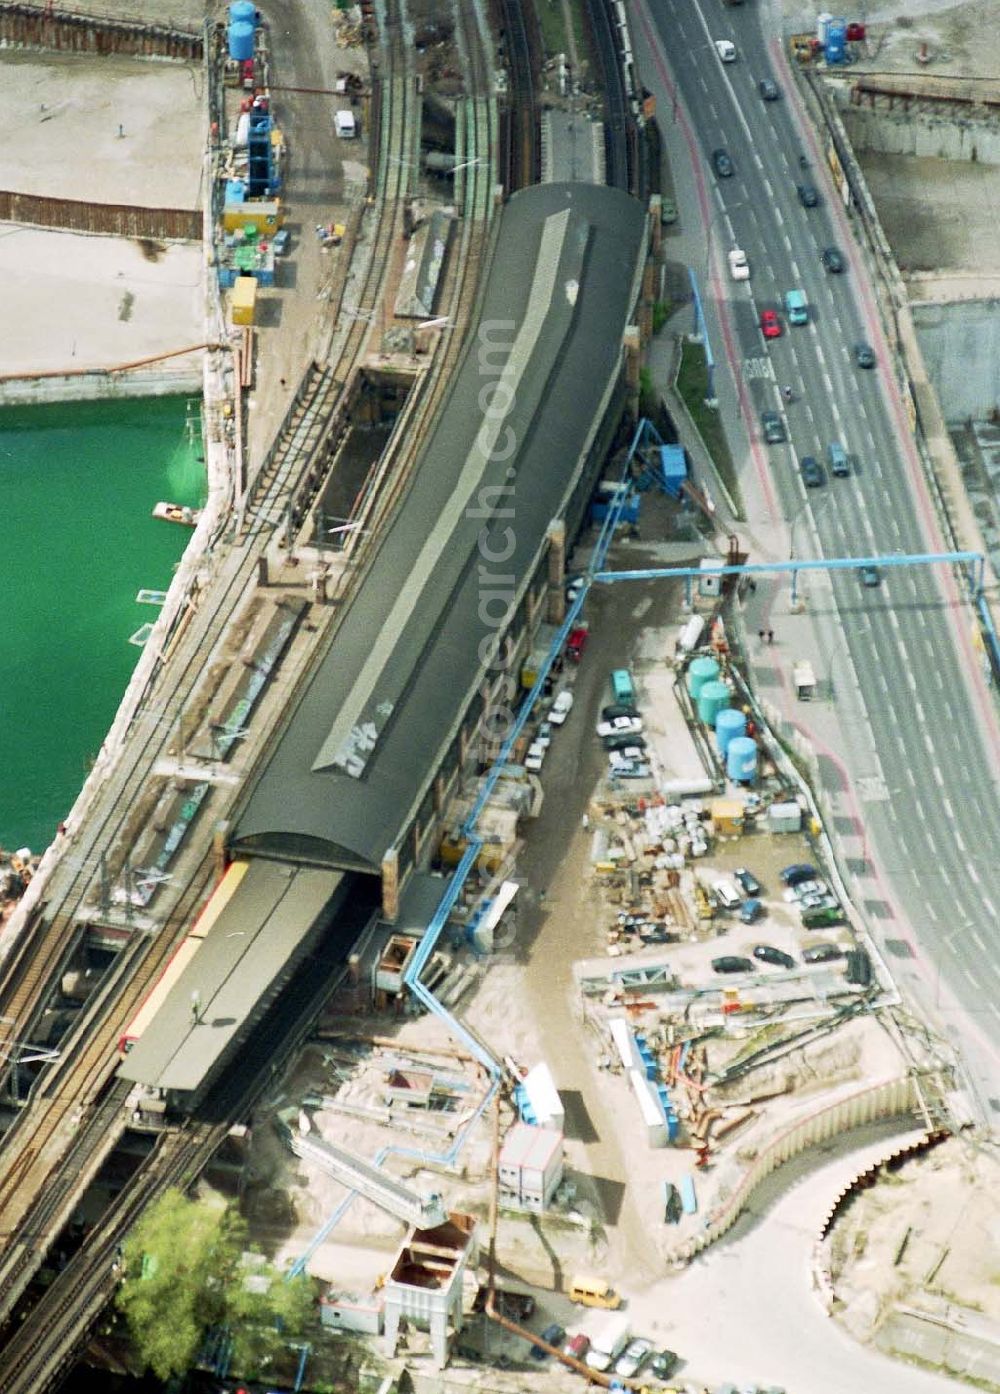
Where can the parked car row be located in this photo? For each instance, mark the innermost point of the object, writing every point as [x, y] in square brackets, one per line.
[640, 1354]
[620, 729]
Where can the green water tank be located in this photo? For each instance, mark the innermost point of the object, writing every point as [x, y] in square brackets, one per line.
[700, 671]
[712, 699]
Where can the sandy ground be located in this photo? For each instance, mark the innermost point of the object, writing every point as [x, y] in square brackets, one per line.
[949, 1204]
[936, 213]
[962, 40]
[63, 114]
[184, 14]
[93, 301]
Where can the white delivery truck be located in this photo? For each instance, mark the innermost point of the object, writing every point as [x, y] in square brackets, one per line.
[344, 124]
[608, 1340]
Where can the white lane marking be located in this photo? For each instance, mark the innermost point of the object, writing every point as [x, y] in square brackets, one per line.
[960, 841]
[938, 776]
[946, 805]
[973, 875]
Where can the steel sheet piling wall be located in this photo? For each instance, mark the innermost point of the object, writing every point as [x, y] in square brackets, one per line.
[35, 26]
[112, 219]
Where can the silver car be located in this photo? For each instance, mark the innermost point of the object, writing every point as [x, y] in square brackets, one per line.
[634, 1356]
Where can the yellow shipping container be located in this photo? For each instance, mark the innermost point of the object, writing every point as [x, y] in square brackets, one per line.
[244, 300]
[264, 214]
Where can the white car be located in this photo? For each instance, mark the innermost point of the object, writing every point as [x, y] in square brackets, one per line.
[620, 726]
[630, 754]
[726, 50]
[535, 758]
[738, 267]
[561, 707]
[543, 736]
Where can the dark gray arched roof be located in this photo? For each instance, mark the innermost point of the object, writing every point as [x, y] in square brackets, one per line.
[364, 739]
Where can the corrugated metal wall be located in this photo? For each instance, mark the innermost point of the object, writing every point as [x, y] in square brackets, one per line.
[35, 26]
[113, 219]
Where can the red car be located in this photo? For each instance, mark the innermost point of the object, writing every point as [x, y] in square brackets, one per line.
[576, 643]
[770, 324]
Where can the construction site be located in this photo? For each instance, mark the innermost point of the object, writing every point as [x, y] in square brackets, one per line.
[605, 994]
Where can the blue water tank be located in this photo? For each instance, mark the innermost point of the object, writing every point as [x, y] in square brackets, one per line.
[836, 41]
[728, 725]
[701, 671]
[712, 698]
[241, 41]
[741, 760]
[243, 12]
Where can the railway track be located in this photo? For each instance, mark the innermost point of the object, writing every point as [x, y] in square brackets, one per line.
[75, 1118]
[68, 1127]
[39, 1350]
[521, 48]
[47, 1157]
[618, 125]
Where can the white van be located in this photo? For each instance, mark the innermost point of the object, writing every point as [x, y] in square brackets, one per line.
[608, 1341]
[344, 124]
[726, 894]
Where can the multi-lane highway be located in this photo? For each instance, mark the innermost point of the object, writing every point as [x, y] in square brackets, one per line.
[922, 758]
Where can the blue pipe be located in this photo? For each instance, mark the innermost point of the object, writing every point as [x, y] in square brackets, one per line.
[454, 888]
[658, 573]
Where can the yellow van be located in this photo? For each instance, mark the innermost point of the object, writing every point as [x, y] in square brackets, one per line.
[594, 1292]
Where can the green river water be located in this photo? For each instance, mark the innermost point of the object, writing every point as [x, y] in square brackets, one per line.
[78, 483]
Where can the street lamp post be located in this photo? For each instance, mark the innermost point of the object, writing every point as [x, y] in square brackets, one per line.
[700, 332]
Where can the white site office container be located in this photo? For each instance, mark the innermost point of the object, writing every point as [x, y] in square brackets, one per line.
[544, 1098]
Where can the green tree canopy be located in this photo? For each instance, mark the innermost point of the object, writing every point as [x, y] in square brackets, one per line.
[186, 1271]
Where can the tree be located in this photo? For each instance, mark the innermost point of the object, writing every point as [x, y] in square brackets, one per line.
[174, 1262]
[264, 1312]
[186, 1271]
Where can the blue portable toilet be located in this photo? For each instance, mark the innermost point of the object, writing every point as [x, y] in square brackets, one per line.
[741, 760]
[673, 469]
[836, 41]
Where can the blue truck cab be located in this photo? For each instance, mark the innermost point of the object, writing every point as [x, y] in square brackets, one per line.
[622, 687]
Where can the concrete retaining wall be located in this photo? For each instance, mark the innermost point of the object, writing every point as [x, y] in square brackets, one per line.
[960, 344]
[921, 133]
[98, 386]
